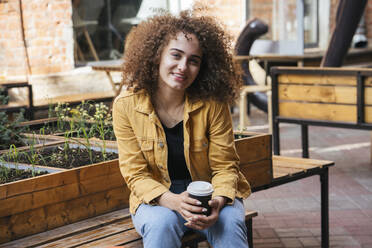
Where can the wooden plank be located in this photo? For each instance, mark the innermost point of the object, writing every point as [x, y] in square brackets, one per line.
[289, 171]
[90, 237]
[257, 173]
[317, 79]
[277, 174]
[62, 213]
[315, 93]
[368, 95]
[255, 148]
[40, 183]
[73, 98]
[135, 244]
[59, 179]
[69, 230]
[295, 161]
[64, 192]
[368, 81]
[316, 111]
[297, 166]
[104, 168]
[124, 239]
[368, 114]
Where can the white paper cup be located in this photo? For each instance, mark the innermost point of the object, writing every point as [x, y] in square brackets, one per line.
[202, 191]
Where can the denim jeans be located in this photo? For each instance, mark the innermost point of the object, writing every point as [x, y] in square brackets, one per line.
[161, 227]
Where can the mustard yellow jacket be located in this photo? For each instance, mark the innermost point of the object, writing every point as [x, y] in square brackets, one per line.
[210, 152]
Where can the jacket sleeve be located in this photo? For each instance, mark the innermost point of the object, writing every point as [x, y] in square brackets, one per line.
[223, 158]
[132, 163]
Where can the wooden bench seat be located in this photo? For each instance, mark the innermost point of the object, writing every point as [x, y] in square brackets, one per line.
[107, 230]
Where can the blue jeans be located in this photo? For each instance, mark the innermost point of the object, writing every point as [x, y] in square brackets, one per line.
[162, 227]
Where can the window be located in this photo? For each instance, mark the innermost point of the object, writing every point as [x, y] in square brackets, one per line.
[100, 26]
[311, 29]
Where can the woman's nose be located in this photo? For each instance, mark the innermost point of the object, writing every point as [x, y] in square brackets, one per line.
[182, 65]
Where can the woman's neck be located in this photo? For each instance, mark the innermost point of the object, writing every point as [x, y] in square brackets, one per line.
[169, 107]
[169, 99]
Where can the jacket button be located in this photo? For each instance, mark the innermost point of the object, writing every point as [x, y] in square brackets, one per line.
[160, 166]
[205, 144]
[161, 144]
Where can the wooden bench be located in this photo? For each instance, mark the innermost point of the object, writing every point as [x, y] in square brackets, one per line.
[115, 228]
[331, 97]
[107, 230]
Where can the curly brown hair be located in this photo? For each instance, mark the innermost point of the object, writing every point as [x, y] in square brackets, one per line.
[218, 78]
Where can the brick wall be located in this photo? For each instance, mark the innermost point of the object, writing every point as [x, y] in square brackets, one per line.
[230, 12]
[48, 35]
[368, 21]
[263, 9]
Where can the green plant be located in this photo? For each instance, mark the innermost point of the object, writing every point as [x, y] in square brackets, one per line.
[10, 130]
[4, 98]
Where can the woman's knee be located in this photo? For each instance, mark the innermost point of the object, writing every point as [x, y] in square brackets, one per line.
[162, 221]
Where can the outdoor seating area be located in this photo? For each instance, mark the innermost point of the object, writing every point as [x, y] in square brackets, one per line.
[301, 120]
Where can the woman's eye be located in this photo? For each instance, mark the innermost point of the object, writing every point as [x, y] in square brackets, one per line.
[176, 55]
[194, 61]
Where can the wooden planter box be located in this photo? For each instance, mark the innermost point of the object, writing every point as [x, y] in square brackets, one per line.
[111, 144]
[255, 152]
[65, 196]
[42, 203]
[45, 202]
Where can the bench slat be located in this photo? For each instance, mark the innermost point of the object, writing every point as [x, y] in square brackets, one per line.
[68, 230]
[118, 239]
[89, 236]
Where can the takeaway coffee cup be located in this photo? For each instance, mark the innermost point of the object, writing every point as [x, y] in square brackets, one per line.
[202, 191]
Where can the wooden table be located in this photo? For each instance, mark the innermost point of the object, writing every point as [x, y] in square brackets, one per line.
[108, 67]
[355, 57]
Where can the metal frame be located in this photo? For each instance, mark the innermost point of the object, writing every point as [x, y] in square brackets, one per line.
[30, 109]
[360, 75]
[324, 194]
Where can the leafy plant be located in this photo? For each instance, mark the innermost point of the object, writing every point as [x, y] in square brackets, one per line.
[4, 98]
[10, 131]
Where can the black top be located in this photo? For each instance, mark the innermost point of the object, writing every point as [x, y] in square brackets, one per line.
[177, 167]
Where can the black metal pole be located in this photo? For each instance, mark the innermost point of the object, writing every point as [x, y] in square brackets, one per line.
[250, 233]
[30, 102]
[305, 140]
[324, 207]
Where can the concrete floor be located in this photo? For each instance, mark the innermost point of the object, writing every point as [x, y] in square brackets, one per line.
[289, 215]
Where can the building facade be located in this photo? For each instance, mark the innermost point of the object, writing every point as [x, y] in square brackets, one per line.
[47, 37]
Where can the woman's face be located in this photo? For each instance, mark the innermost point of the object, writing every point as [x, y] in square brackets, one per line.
[180, 62]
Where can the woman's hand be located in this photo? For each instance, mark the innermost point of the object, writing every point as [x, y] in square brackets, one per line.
[182, 203]
[200, 222]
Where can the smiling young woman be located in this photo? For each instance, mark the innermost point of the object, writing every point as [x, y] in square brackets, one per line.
[173, 126]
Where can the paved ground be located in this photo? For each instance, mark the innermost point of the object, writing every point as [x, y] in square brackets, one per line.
[289, 215]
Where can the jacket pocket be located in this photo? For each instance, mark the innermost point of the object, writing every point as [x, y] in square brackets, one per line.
[199, 159]
[147, 148]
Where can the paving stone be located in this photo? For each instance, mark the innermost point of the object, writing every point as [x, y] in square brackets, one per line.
[291, 242]
[267, 233]
[309, 241]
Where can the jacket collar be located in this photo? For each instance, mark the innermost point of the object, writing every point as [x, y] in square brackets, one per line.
[144, 104]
